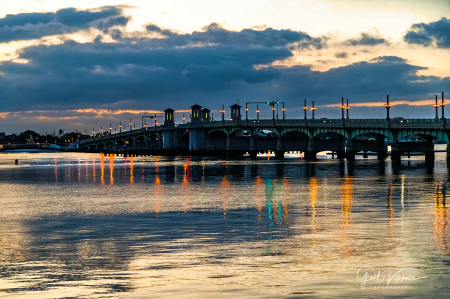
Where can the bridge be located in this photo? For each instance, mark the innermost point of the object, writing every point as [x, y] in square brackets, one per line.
[344, 137]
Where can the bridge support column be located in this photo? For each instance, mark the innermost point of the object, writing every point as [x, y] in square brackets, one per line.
[395, 152]
[171, 139]
[448, 153]
[253, 152]
[229, 149]
[279, 153]
[350, 150]
[429, 153]
[381, 155]
[196, 141]
[312, 151]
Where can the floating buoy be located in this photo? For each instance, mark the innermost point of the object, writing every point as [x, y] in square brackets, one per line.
[17, 162]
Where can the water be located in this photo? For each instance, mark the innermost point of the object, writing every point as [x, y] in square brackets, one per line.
[88, 226]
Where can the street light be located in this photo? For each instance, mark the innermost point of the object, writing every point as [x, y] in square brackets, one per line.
[342, 107]
[110, 129]
[305, 108]
[348, 107]
[388, 106]
[313, 108]
[284, 117]
[436, 106]
[443, 105]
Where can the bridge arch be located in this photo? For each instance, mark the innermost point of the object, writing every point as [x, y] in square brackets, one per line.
[223, 130]
[339, 131]
[427, 134]
[303, 131]
[100, 146]
[369, 136]
[360, 131]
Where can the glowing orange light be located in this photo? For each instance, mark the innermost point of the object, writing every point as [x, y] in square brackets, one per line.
[313, 108]
[284, 109]
[436, 105]
[348, 107]
[443, 104]
[305, 108]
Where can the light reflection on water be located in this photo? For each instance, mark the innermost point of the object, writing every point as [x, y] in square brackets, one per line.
[89, 226]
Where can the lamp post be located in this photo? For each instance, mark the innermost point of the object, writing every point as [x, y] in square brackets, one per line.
[120, 128]
[273, 110]
[284, 110]
[257, 111]
[443, 105]
[93, 132]
[388, 106]
[305, 108]
[130, 124]
[348, 107]
[436, 106]
[110, 129]
[246, 113]
[342, 107]
[101, 131]
[313, 108]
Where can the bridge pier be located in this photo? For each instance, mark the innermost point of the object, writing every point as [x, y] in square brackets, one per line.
[395, 152]
[253, 151]
[197, 140]
[448, 153]
[279, 153]
[398, 148]
[312, 150]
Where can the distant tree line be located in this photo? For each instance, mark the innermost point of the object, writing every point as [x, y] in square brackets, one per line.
[55, 137]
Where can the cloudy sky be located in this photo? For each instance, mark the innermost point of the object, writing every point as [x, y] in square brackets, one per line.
[78, 65]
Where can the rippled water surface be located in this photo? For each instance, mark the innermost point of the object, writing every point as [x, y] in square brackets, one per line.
[89, 226]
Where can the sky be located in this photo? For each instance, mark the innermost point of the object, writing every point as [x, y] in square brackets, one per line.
[79, 65]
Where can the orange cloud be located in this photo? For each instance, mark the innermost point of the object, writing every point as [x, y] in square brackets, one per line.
[4, 114]
[41, 117]
[393, 103]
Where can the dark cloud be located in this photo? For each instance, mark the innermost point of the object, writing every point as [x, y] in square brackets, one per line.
[26, 26]
[211, 67]
[365, 39]
[215, 34]
[427, 34]
[391, 59]
[341, 55]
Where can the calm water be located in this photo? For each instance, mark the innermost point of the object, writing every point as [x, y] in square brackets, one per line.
[88, 226]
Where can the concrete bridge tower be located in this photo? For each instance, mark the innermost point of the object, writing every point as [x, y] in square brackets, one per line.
[206, 115]
[197, 135]
[196, 114]
[235, 112]
[169, 118]
[171, 136]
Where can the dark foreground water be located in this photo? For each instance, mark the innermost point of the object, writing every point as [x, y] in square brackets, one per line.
[88, 226]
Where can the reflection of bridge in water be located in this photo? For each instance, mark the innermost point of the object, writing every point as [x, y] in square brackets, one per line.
[345, 137]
